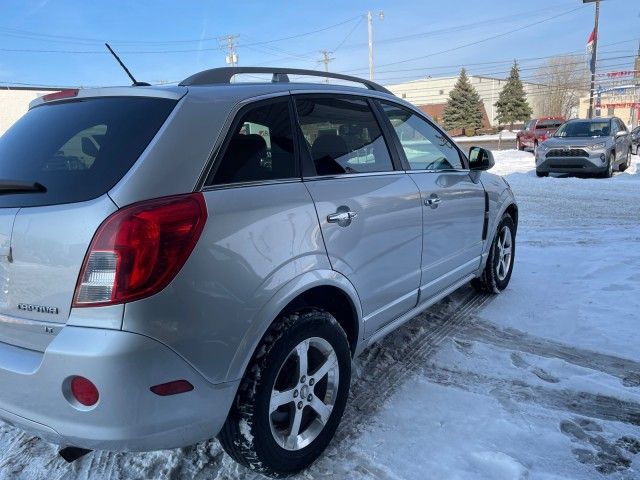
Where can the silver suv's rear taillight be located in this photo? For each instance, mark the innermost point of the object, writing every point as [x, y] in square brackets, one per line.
[139, 249]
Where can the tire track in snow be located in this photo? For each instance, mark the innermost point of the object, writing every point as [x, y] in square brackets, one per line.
[628, 371]
[387, 365]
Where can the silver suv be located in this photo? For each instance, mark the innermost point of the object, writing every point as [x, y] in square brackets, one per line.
[184, 262]
[596, 146]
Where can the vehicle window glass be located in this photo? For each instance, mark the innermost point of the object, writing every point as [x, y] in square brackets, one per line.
[615, 126]
[548, 124]
[425, 147]
[342, 136]
[260, 147]
[79, 149]
[585, 128]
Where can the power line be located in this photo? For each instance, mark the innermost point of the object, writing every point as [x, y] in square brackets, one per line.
[475, 42]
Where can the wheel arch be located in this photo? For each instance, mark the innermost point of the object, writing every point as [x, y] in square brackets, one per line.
[330, 289]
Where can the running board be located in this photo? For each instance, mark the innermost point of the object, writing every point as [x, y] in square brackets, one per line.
[71, 454]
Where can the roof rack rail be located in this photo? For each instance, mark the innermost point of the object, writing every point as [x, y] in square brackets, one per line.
[224, 75]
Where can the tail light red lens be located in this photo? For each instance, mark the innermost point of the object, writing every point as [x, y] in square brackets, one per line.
[84, 391]
[139, 249]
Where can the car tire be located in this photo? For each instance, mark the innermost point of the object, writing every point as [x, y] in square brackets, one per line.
[627, 162]
[535, 149]
[257, 435]
[519, 144]
[608, 173]
[497, 272]
[541, 174]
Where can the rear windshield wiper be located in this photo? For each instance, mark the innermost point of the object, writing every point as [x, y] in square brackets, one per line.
[18, 186]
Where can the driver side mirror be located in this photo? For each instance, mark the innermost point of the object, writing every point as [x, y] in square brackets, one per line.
[480, 159]
[621, 133]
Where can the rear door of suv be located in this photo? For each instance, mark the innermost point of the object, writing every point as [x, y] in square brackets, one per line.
[453, 202]
[369, 210]
[57, 164]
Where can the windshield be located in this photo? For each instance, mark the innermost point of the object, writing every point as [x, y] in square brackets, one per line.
[585, 128]
[77, 150]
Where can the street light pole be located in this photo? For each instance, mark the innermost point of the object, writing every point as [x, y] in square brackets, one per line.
[594, 55]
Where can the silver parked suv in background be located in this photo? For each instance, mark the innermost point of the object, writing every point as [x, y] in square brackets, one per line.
[184, 262]
[595, 146]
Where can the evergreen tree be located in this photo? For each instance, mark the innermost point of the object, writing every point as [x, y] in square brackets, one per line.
[464, 108]
[512, 103]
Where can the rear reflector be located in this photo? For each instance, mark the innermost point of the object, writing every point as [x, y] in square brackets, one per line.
[139, 249]
[70, 93]
[84, 391]
[172, 388]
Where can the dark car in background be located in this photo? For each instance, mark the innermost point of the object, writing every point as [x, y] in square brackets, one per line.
[580, 146]
[537, 131]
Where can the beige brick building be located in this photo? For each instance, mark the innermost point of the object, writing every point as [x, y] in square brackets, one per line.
[14, 102]
[435, 91]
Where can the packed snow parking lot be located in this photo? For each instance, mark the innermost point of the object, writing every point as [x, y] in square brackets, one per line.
[542, 381]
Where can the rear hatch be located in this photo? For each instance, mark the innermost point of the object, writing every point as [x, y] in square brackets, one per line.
[57, 164]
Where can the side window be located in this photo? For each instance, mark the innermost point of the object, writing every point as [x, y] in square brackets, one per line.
[342, 136]
[615, 127]
[425, 147]
[261, 147]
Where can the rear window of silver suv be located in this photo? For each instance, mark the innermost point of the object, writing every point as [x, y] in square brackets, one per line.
[77, 150]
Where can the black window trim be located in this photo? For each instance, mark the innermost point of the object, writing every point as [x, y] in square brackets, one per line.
[464, 160]
[219, 152]
[308, 168]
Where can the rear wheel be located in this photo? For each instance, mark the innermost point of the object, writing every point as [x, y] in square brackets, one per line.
[497, 272]
[519, 144]
[292, 397]
[535, 149]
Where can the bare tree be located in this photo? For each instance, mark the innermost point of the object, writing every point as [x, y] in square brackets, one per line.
[566, 79]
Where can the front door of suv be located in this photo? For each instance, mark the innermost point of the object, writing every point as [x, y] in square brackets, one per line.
[369, 212]
[453, 203]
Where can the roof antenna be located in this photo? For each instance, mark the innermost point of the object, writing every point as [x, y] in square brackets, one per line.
[135, 82]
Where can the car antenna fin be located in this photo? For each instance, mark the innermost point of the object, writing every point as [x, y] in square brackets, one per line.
[135, 82]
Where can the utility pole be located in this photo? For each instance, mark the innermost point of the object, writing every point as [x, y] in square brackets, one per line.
[326, 58]
[229, 43]
[594, 55]
[370, 31]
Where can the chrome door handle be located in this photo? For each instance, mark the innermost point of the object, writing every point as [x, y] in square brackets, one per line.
[433, 202]
[342, 217]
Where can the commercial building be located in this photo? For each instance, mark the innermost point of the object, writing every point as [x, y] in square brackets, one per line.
[14, 102]
[433, 93]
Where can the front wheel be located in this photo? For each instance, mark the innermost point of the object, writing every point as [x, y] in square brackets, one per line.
[541, 174]
[608, 173]
[497, 272]
[291, 400]
[627, 162]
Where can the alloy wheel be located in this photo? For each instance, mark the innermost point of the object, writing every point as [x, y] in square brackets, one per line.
[304, 394]
[504, 249]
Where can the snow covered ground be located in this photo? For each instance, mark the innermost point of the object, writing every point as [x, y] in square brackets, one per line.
[540, 382]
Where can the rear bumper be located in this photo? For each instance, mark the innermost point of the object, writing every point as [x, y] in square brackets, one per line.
[587, 165]
[128, 416]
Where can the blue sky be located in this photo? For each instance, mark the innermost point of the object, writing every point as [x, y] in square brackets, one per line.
[169, 40]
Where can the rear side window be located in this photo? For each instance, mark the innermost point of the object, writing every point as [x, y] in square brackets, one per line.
[260, 148]
[342, 136]
[77, 150]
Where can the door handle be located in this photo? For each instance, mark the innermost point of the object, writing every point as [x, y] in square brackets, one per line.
[342, 217]
[433, 201]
